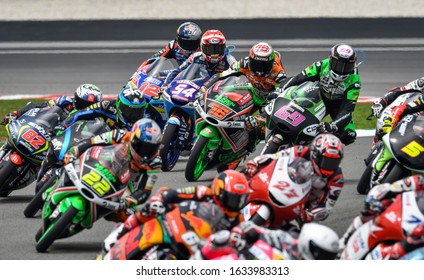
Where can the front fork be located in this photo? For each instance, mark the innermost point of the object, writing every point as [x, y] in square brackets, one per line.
[184, 130]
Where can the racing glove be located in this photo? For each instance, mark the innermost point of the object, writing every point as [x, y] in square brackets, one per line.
[156, 205]
[377, 108]
[326, 127]
[10, 117]
[128, 202]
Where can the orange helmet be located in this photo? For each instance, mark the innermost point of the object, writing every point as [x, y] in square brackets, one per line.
[213, 46]
[231, 191]
[326, 154]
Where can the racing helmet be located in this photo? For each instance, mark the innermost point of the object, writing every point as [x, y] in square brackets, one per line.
[261, 59]
[188, 37]
[85, 95]
[213, 45]
[145, 139]
[231, 191]
[326, 154]
[130, 106]
[317, 242]
[342, 62]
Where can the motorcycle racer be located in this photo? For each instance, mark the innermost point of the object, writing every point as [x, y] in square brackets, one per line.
[378, 199]
[186, 42]
[399, 111]
[326, 153]
[314, 242]
[121, 113]
[229, 191]
[143, 143]
[213, 54]
[264, 70]
[84, 96]
[340, 85]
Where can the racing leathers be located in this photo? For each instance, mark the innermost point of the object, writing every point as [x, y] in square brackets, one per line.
[325, 190]
[64, 102]
[262, 85]
[166, 199]
[171, 50]
[415, 106]
[339, 98]
[379, 199]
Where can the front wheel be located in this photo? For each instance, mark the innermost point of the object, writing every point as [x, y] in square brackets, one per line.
[169, 153]
[55, 230]
[364, 183]
[7, 172]
[198, 160]
[37, 201]
[396, 173]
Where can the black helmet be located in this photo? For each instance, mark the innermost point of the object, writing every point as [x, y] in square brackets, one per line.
[130, 106]
[342, 61]
[85, 95]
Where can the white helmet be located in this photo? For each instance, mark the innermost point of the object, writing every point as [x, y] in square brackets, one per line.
[318, 242]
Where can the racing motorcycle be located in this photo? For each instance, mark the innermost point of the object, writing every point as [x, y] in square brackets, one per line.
[293, 117]
[88, 189]
[26, 146]
[51, 166]
[364, 182]
[149, 80]
[222, 136]
[276, 195]
[177, 234]
[179, 129]
[392, 225]
[400, 155]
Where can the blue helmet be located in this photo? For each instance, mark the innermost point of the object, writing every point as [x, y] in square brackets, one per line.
[188, 37]
[145, 139]
[130, 106]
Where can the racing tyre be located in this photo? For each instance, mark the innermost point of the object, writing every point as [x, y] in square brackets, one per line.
[55, 230]
[198, 160]
[168, 152]
[365, 180]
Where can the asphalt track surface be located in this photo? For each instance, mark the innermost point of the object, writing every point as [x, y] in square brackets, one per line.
[61, 72]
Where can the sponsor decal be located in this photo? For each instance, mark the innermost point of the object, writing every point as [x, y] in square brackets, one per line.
[16, 159]
[124, 177]
[95, 152]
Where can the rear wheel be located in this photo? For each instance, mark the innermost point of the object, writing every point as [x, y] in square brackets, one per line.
[198, 160]
[56, 229]
[168, 152]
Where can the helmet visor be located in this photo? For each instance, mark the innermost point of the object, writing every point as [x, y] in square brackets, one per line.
[234, 202]
[142, 151]
[188, 45]
[214, 49]
[328, 163]
[129, 115]
[341, 67]
[320, 253]
[260, 67]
